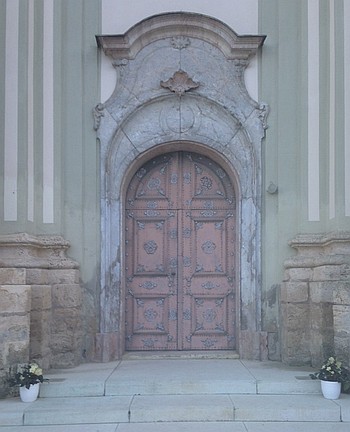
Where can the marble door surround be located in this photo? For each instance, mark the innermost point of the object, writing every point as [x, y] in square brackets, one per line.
[180, 86]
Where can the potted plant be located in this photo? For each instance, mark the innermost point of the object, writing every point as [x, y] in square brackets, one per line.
[334, 378]
[28, 379]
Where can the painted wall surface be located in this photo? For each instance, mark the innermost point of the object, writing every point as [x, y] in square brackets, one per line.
[48, 153]
[304, 63]
[53, 75]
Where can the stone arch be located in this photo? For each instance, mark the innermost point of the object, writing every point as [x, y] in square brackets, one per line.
[167, 94]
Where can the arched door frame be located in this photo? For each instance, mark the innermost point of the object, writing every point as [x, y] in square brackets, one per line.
[222, 163]
[221, 122]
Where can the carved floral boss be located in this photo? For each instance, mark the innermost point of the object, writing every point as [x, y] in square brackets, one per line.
[179, 83]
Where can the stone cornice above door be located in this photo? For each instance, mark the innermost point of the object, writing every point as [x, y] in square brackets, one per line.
[174, 25]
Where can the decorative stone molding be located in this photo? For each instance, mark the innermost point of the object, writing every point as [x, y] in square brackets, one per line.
[98, 112]
[43, 251]
[315, 299]
[181, 28]
[219, 119]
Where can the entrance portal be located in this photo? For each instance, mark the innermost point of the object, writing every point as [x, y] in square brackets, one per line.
[180, 255]
[186, 262]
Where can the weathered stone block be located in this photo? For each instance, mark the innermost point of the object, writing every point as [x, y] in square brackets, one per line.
[296, 316]
[321, 292]
[41, 297]
[296, 347]
[18, 352]
[41, 353]
[254, 345]
[294, 292]
[61, 343]
[298, 274]
[66, 360]
[321, 332]
[40, 326]
[341, 319]
[274, 346]
[15, 299]
[331, 272]
[342, 332]
[37, 276]
[14, 328]
[66, 321]
[341, 293]
[12, 276]
[63, 276]
[321, 316]
[66, 296]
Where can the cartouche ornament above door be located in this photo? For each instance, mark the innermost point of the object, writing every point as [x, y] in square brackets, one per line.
[179, 83]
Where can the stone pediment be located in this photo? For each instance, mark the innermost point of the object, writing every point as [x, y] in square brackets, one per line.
[185, 53]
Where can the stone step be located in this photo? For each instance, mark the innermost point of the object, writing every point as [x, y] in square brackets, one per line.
[175, 408]
[188, 427]
[217, 395]
[179, 376]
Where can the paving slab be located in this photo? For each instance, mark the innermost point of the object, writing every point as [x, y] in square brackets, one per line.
[278, 378]
[63, 428]
[83, 380]
[297, 427]
[344, 403]
[167, 408]
[289, 408]
[12, 411]
[59, 411]
[180, 376]
[182, 426]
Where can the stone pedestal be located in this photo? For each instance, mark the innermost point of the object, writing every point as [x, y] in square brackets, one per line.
[40, 303]
[315, 300]
[15, 306]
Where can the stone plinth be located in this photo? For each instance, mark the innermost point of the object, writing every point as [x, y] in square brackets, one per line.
[315, 300]
[15, 306]
[40, 303]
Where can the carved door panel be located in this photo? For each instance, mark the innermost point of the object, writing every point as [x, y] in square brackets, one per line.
[180, 255]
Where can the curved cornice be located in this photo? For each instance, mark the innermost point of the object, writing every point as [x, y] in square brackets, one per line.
[177, 25]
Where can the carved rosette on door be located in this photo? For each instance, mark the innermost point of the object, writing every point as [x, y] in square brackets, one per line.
[180, 255]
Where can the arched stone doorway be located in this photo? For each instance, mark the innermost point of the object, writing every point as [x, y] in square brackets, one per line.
[180, 87]
[180, 255]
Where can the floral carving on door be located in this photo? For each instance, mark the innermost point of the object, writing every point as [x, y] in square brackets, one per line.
[180, 255]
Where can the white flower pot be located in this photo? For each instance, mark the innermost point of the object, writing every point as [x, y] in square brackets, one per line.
[31, 394]
[331, 389]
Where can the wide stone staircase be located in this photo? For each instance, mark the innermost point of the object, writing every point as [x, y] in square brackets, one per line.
[179, 393]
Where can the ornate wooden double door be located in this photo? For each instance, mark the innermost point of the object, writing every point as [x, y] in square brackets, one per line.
[180, 255]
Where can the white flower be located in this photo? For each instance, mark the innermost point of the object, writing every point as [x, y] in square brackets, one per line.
[33, 368]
